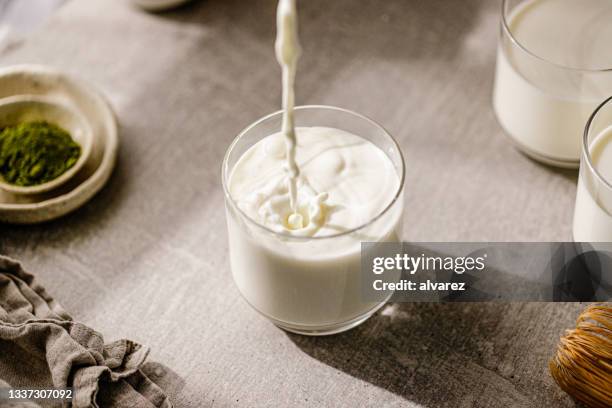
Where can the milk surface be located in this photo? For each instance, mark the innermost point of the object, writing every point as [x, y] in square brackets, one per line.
[541, 105]
[344, 182]
[570, 33]
[593, 212]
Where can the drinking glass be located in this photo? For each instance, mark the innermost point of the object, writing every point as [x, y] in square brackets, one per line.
[308, 285]
[542, 105]
[593, 211]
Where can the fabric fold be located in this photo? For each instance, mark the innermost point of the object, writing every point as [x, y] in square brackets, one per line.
[35, 332]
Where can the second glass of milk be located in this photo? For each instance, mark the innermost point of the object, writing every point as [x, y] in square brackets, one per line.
[310, 284]
[554, 67]
[593, 212]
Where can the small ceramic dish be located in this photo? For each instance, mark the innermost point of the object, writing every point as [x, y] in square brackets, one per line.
[30, 108]
[159, 5]
[86, 100]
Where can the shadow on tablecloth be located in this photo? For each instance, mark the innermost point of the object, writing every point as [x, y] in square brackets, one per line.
[450, 355]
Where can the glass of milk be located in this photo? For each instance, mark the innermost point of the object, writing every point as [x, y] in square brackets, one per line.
[554, 67]
[310, 284]
[593, 211]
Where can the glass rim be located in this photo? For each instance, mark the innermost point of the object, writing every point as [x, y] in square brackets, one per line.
[586, 148]
[225, 172]
[508, 32]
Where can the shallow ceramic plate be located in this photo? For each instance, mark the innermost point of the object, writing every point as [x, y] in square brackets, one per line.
[78, 95]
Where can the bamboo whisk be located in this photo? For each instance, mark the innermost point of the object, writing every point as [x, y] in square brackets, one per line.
[583, 364]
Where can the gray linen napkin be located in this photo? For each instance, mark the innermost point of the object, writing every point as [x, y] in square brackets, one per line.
[42, 347]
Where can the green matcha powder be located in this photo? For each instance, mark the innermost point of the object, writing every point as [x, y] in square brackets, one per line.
[36, 152]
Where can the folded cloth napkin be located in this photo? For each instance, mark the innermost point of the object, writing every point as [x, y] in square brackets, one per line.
[42, 347]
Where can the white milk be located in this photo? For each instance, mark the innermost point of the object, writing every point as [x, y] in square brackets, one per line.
[593, 212]
[345, 181]
[541, 105]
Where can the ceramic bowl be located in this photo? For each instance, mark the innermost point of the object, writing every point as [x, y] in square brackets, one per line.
[29, 108]
[77, 95]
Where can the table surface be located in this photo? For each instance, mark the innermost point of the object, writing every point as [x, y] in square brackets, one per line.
[147, 258]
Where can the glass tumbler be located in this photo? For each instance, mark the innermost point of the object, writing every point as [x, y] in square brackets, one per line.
[543, 103]
[593, 211]
[308, 285]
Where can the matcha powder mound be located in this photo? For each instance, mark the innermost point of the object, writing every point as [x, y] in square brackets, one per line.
[36, 152]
